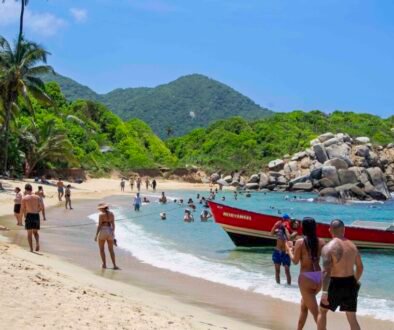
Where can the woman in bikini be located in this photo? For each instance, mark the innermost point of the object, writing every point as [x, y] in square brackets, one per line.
[106, 233]
[307, 251]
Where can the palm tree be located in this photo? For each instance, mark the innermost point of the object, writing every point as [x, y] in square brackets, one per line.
[22, 14]
[19, 70]
[44, 143]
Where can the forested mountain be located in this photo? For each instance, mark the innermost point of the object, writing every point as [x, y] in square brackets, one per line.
[236, 143]
[175, 108]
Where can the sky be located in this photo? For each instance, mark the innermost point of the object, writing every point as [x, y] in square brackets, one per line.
[284, 54]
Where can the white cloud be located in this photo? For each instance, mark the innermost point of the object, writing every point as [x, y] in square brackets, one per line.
[41, 23]
[79, 15]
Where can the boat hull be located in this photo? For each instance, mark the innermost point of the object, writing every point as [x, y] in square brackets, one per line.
[253, 229]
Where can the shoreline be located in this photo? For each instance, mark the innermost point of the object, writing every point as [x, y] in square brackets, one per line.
[250, 309]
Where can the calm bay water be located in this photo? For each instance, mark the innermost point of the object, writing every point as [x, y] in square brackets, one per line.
[204, 250]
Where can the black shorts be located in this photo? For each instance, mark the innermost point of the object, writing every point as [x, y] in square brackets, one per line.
[17, 208]
[343, 292]
[32, 221]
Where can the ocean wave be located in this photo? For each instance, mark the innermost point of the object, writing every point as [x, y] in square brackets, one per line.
[164, 254]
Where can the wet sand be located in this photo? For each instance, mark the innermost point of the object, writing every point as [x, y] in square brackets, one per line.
[246, 309]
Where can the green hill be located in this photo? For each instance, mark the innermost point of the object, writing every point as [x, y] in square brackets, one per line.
[236, 143]
[175, 108]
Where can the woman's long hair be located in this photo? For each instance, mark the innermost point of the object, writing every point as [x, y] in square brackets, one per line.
[310, 238]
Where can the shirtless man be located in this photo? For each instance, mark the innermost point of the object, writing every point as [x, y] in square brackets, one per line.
[282, 230]
[342, 269]
[31, 207]
[60, 189]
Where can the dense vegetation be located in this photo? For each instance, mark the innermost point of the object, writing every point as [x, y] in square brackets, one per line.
[175, 108]
[236, 143]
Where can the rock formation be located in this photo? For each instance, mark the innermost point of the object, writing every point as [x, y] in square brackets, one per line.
[334, 166]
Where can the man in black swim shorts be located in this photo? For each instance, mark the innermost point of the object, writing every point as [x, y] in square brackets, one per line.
[31, 207]
[340, 280]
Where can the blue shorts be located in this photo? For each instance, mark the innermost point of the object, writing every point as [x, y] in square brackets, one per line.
[136, 207]
[281, 258]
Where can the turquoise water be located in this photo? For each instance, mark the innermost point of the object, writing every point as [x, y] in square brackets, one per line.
[204, 250]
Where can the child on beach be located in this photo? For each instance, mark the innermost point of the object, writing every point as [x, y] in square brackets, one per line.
[17, 206]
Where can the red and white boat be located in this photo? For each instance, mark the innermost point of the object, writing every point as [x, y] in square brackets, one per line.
[247, 228]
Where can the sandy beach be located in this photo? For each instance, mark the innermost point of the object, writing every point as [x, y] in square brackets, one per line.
[63, 286]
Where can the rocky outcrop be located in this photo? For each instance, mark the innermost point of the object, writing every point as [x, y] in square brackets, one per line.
[335, 166]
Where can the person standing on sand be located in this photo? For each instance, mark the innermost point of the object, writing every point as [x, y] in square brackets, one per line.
[60, 189]
[281, 230]
[139, 184]
[147, 183]
[17, 206]
[307, 251]
[106, 233]
[137, 202]
[67, 195]
[154, 184]
[131, 183]
[122, 185]
[31, 206]
[342, 270]
[40, 193]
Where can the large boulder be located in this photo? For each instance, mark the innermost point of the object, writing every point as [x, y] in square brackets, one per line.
[276, 165]
[214, 177]
[305, 163]
[254, 178]
[305, 186]
[291, 167]
[264, 180]
[320, 152]
[351, 191]
[347, 177]
[326, 183]
[326, 136]
[329, 192]
[330, 172]
[331, 141]
[299, 155]
[362, 151]
[373, 159]
[361, 174]
[338, 163]
[342, 151]
[281, 180]
[377, 179]
[252, 185]
[362, 140]
[228, 178]
[316, 173]
[303, 178]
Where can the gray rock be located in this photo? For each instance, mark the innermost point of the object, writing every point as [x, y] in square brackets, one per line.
[362, 151]
[342, 151]
[320, 152]
[360, 173]
[252, 185]
[326, 136]
[228, 178]
[378, 181]
[281, 180]
[331, 141]
[214, 177]
[372, 159]
[305, 186]
[338, 163]
[299, 155]
[305, 163]
[330, 172]
[276, 165]
[347, 177]
[316, 173]
[326, 183]
[314, 141]
[290, 167]
[254, 178]
[362, 140]
[360, 161]
[329, 192]
[349, 190]
[299, 179]
[390, 146]
[264, 180]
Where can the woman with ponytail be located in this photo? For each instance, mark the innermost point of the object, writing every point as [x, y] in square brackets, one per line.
[306, 251]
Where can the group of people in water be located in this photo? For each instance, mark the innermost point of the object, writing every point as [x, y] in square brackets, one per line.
[339, 278]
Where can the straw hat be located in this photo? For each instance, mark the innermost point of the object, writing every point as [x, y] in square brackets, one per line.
[102, 205]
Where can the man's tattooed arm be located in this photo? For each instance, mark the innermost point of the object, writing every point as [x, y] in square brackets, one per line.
[327, 265]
